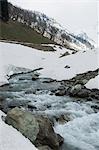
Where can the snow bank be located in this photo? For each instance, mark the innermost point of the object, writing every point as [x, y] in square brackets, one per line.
[11, 139]
[54, 66]
[93, 83]
[81, 133]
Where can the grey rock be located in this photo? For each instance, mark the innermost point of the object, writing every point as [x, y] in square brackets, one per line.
[37, 129]
[75, 89]
[44, 148]
[60, 92]
[83, 93]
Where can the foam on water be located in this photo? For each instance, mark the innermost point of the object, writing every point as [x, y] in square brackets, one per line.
[81, 133]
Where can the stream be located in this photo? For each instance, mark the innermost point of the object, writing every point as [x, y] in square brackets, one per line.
[75, 119]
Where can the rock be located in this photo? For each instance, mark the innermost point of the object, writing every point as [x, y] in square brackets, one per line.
[6, 105]
[81, 81]
[18, 103]
[95, 107]
[23, 122]
[74, 52]
[60, 139]
[61, 87]
[84, 81]
[44, 148]
[67, 67]
[35, 77]
[89, 99]
[48, 80]
[31, 107]
[37, 129]
[60, 92]
[30, 91]
[94, 95]
[65, 54]
[1, 102]
[75, 89]
[60, 47]
[83, 93]
[63, 118]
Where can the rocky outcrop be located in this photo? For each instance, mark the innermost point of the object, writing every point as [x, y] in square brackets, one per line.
[37, 129]
[44, 148]
[75, 89]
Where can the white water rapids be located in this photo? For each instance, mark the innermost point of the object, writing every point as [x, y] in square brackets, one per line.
[82, 132]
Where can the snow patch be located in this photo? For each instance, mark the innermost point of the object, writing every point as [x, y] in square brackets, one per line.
[93, 83]
[53, 66]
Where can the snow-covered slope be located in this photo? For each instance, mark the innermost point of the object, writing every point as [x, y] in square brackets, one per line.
[53, 65]
[49, 28]
[11, 139]
[93, 83]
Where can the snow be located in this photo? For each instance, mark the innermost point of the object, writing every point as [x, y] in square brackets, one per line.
[53, 66]
[81, 133]
[93, 83]
[11, 139]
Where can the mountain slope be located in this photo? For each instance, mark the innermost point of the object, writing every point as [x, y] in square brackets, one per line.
[16, 31]
[48, 27]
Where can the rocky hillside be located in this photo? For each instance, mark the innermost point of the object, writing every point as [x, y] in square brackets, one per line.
[49, 28]
[16, 31]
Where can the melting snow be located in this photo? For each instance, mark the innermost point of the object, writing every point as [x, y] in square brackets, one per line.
[22, 56]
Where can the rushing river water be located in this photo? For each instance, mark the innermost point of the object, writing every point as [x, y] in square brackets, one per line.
[75, 119]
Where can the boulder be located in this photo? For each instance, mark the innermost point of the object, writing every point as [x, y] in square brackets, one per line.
[44, 148]
[75, 89]
[60, 92]
[37, 129]
[83, 93]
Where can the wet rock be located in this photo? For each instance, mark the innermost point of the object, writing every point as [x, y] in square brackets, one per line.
[35, 77]
[83, 93]
[17, 103]
[63, 118]
[30, 91]
[31, 107]
[1, 101]
[60, 92]
[81, 81]
[61, 87]
[60, 139]
[94, 95]
[37, 129]
[44, 148]
[49, 80]
[95, 107]
[89, 99]
[6, 105]
[75, 89]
